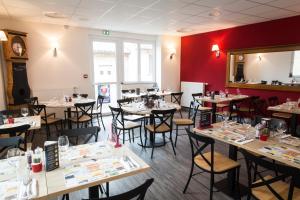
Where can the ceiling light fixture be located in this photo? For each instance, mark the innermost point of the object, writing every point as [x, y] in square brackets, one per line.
[55, 15]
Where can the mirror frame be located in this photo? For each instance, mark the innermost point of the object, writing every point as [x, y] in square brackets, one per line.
[260, 50]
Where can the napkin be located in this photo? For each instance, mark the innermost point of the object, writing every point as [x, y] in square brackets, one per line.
[32, 189]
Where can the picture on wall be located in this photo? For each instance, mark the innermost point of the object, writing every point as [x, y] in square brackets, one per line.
[104, 90]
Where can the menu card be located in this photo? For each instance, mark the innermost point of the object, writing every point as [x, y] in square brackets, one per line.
[205, 119]
[51, 155]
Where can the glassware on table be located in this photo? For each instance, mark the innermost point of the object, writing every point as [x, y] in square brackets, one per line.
[26, 179]
[13, 155]
[63, 143]
[24, 112]
[226, 118]
[282, 128]
[247, 123]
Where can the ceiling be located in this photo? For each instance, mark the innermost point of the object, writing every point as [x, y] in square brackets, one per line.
[151, 16]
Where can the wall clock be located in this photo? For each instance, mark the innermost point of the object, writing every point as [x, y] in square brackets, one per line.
[15, 47]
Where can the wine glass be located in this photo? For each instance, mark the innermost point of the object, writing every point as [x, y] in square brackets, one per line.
[226, 118]
[247, 123]
[282, 128]
[24, 112]
[26, 179]
[63, 143]
[13, 156]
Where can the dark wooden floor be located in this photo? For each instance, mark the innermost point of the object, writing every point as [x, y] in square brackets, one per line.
[170, 172]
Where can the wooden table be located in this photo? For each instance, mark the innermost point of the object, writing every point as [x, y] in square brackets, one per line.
[134, 95]
[217, 133]
[292, 108]
[33, 121]
[66, 105]
[53, 183]
[218, 99]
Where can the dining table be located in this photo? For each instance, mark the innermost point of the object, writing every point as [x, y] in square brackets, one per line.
[68, 105]
[134, 95]
[139, 108]
[279, 146]
[216, 99]
[81, 167]
[289, 107]
[33, 121]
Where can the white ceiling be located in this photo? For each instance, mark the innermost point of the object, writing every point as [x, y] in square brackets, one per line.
[151, 16]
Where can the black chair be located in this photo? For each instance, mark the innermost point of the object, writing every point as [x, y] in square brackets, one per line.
[189, 121]
[20, 131]
[84, 95]
[150, 90]
[274, 101]
[137, 193]
[269, 187]
[7, 143]
[195, 95]
[211, 162]
[81, 132]
[176, 98]
[161, 123]
[35, 101]
[46, 119]
[119, 124]
[98, 111]
[125, 101]
[129, 117]
[83, 114]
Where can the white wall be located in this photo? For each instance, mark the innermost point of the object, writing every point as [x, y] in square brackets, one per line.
[2, 87]
[271, 66]
[54, 76]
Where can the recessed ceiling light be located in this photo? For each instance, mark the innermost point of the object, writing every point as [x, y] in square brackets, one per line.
[184, 30]
[214, 13]
[55, 15]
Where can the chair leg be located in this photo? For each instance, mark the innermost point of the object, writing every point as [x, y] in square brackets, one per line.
[172, 143]
[212, 176]
[102, 121]
[237, 185]
[141, 136]
[129, 135]
[153, 144]
[133, 135]
[98, 120]
[255, 172]
[32, 137]
[146, 137]
[123, 136]
[176, 135]
[180, 113]
[190, 176]
[164, 138]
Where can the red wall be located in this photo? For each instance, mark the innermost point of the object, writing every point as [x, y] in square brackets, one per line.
[199, 64]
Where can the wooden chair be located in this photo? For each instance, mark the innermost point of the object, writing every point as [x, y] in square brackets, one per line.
[247, 107]
[161, 123]
[274, 101]
[35, 101]
[98, 111]
[83, 114]
[189, 121]
[81, 132]
[129, 117]
[46, 119]
[17, 131]
[269, 187]
[211, 162]
[176, 98]
[150, 90]
[195, 95]
[119, 124]
[137, 193]
[221, 106]
[7, 143]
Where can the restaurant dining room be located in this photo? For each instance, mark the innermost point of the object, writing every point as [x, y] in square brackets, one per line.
[149, 99]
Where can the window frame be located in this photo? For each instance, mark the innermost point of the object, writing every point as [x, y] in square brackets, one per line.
[293, 62]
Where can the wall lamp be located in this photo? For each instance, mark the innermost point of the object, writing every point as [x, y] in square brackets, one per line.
[215, 48]
[2, 36]
[172, 52]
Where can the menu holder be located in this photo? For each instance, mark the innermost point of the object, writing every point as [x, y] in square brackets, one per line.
[205, 119]
[51, 155]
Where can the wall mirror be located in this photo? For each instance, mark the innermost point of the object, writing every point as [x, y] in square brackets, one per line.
[272, 68]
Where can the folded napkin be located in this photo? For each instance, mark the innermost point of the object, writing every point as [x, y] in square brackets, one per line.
[31, 190]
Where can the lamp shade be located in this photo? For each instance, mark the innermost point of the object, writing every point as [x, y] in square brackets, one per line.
[3, 36]
[215, 47]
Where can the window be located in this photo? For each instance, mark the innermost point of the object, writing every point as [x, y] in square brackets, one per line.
[139, 62]
[296, 64]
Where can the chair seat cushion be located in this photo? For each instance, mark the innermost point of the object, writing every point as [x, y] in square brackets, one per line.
[160, 129]
[133, 117]
[221, 163]
[280, 187]
[282, 115]
[245, 109]
[83, 118]
[203, 108]
[183, 121]
[222, 105]
[50, 120]
[234, 114]
[128, 125]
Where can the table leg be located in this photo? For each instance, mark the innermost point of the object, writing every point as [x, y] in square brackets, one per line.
[293, 125]
[69, 116]
[231, 176]
[214, 110]
[94, 192]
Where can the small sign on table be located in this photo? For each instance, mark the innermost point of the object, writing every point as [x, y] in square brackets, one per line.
[205, 119]
[51, 155]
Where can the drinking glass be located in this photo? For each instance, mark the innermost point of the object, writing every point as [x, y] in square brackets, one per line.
[26, 179]
[13, 156]
[247, 123]
[63, 143]
[226, 118]
[282, 128]
[24, 112]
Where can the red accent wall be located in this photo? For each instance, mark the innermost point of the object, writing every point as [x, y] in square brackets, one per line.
[199, 64]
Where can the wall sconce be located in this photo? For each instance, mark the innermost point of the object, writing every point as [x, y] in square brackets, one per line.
[172, 52]
[2, 36]
[215, 48]
[259, 57]
[54, 45]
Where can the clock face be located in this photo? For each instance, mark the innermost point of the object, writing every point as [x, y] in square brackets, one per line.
[18, 46]
[241, 58]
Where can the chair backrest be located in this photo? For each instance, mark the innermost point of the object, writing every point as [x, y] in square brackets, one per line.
[39, 109]
[76, 133]
[285, 171]
[193, 109]
[176, 97]
[124, 91]
[122, 102]
[197, 150]
[194, 95]
[32, 100]
[162, 117]
[260, 107]
[84, 109]
[154, 97]
[132, 90]
[137, 193]
[273, 101]
[150, 90]
[117, 117]
[100, 101]
[84, 95]
[11, 142]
